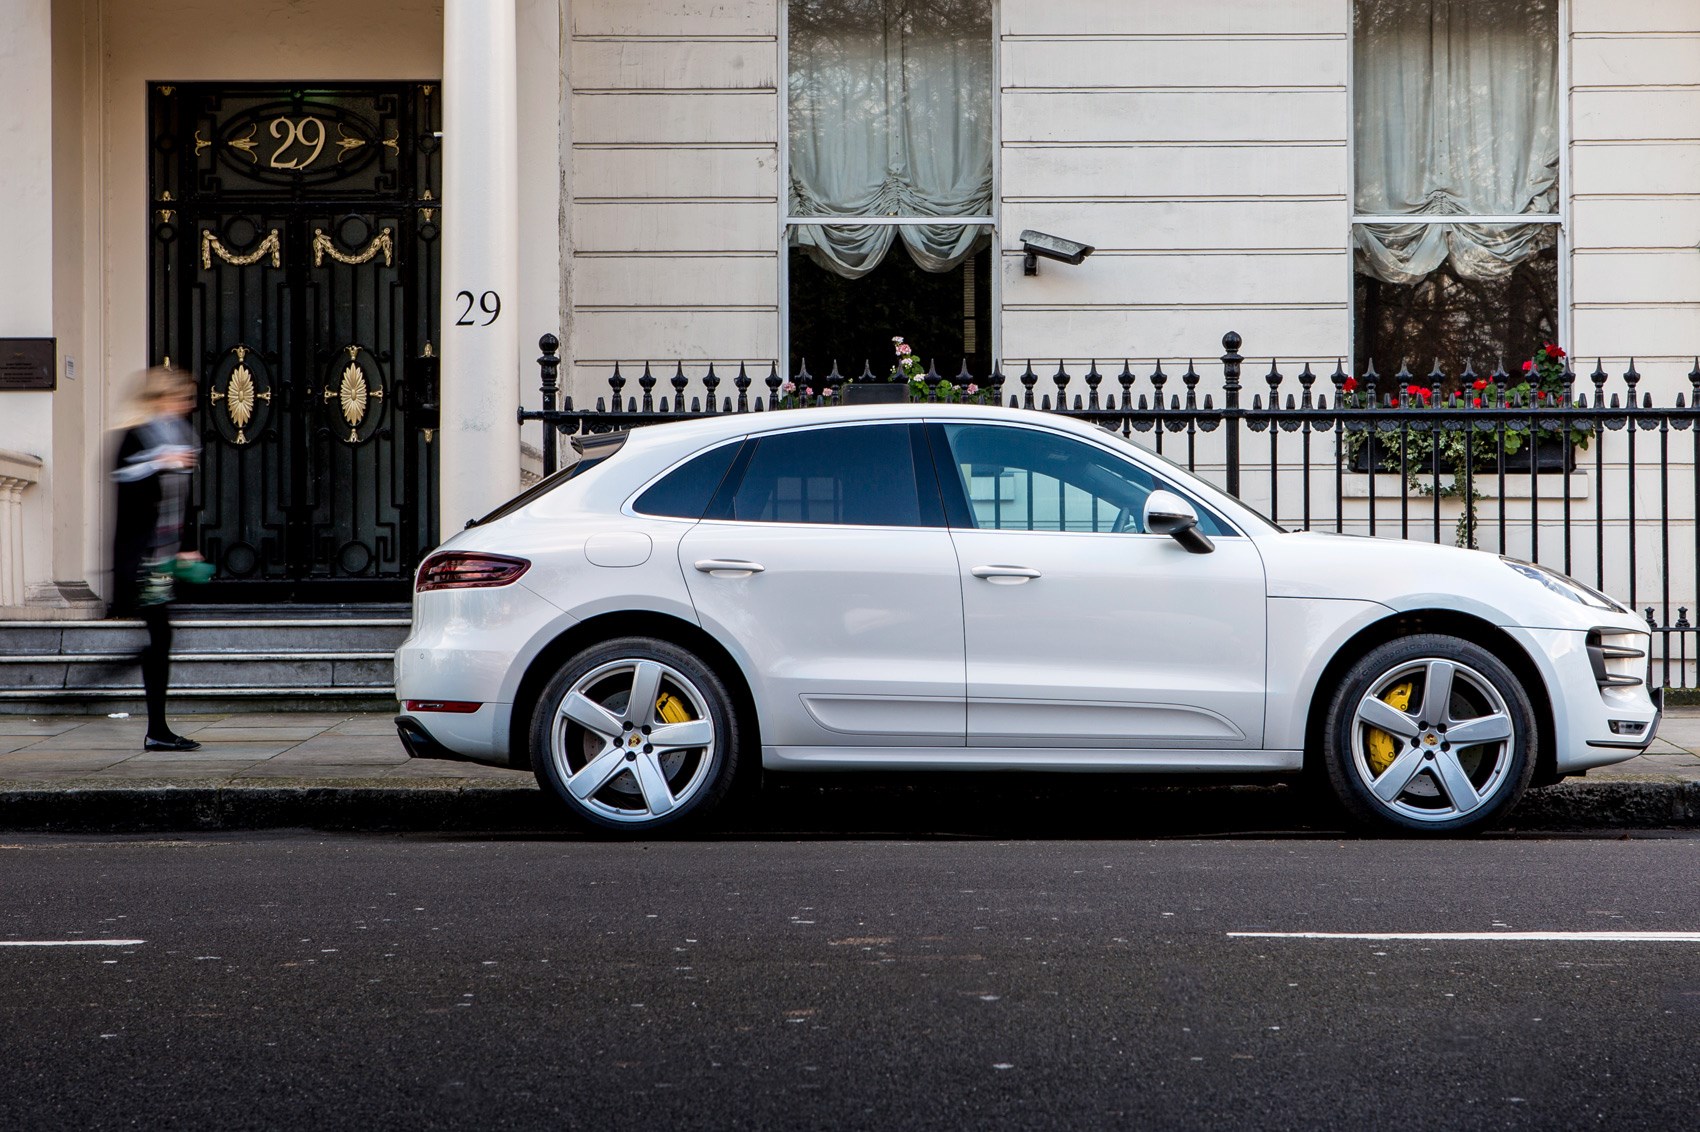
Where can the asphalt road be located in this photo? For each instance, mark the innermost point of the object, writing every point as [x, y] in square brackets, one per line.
[297, 980]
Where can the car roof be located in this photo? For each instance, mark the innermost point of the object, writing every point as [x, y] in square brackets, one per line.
[707, 429]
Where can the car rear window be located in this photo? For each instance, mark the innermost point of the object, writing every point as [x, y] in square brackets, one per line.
[856, 475]
[684, 492]
[592, 449]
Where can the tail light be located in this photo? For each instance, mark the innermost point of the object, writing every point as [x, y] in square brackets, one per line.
[461, 570]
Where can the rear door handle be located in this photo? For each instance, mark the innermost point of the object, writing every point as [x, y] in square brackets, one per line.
[1005, 575]
[728, 567]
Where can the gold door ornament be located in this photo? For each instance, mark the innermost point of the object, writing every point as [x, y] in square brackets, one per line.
[353, 394]
[323, 246]
[345, 144]
[240, 396]
[210, 245]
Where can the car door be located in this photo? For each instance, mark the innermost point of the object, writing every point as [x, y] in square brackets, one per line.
[1083, 630]
[825, 560]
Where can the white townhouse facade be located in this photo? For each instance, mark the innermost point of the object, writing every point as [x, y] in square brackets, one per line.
[352, 219]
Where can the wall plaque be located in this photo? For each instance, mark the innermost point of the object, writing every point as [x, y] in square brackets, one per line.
[28, 363]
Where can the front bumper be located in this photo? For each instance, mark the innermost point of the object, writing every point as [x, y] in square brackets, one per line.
[1584, 712]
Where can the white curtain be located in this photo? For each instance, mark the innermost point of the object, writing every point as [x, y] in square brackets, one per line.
[1456, 113]
[891, 115]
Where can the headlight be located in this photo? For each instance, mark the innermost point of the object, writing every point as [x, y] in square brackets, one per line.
[1563, 585]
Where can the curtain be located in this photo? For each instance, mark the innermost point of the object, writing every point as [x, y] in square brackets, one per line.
[891, 115]
[1456, 113]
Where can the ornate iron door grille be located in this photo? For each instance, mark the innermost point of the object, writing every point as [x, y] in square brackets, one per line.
[294, 269]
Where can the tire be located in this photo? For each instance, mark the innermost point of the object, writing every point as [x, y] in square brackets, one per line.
[664, 768]
[1395, 769]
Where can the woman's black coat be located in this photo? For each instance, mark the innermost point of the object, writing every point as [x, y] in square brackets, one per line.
[138, 515]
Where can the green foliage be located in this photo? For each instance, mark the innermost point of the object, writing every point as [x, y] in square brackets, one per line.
[1453, 445]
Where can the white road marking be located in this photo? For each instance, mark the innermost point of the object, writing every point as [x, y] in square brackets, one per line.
[1471, 937]
[70, 942]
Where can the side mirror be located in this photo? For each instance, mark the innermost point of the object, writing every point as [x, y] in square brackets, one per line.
[1168, 514]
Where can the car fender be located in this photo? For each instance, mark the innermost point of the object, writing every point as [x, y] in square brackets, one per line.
[1305, 635]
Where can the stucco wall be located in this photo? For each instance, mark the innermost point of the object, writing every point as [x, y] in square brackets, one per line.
[1635, 165]
[674, 213]
[1202, 149]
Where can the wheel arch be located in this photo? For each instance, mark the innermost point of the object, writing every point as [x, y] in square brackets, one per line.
[630, 623]
[1452, 623]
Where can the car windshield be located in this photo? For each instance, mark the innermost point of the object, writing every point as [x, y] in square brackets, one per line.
[1188, 474]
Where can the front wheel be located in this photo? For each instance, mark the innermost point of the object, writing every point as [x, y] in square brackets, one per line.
[1429, 733]
[635, 735]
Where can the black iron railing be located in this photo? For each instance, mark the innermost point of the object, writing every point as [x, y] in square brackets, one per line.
[1599, 483]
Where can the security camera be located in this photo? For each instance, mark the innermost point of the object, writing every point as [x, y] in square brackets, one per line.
[1037, 244]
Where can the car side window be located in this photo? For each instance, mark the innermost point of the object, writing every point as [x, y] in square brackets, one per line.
[859, 475]
[684, 492]
[1022, 479]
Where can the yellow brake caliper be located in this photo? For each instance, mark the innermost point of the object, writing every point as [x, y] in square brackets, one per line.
[1382, 746]
[671, 709]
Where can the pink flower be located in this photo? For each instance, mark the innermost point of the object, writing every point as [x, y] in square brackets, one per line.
[827, 392]
[788, 387]
[904, 350]
[973, 389]
[808, 391]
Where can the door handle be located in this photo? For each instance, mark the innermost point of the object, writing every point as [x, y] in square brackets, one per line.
[728, 567]
[1005, 575]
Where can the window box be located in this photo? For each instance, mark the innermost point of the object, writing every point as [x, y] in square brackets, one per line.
[876, 393]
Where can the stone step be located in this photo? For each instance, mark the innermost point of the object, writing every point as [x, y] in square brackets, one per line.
[190, 701]
[203, 670]
[240, 658]
[70, 638]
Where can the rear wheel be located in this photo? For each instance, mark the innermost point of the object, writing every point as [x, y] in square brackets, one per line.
[635, 735]
[1429, 733]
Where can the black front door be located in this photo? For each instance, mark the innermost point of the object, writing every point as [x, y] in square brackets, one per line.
[294, 271]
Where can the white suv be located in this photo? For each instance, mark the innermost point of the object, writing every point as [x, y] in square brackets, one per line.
[935, 587]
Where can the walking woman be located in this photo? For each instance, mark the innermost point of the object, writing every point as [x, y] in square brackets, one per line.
[155, 459]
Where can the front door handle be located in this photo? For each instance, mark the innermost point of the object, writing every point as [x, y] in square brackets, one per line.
[728, 567]
[1005, 575]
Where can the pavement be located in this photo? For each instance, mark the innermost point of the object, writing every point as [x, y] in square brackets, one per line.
[344, 770]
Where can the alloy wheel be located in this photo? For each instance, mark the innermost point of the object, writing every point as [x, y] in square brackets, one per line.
[633, 740]
[1433, 741]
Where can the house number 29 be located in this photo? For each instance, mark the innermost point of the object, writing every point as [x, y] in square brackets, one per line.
[488, 303]
[293, 131]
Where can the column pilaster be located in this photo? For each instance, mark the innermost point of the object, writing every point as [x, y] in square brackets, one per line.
[480, 355]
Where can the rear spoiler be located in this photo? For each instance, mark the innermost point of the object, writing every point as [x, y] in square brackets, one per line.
[599, 445]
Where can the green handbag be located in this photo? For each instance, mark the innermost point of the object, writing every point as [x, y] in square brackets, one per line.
[195, 571]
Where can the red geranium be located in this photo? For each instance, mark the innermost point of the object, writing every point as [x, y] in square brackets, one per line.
[1478, 384]
[1527, 366]
[1476, 402]
[1351, 385]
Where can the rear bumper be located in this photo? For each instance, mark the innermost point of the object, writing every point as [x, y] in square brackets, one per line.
[466, 737]
[419, 742]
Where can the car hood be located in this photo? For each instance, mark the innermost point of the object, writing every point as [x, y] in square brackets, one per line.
[1405, 576]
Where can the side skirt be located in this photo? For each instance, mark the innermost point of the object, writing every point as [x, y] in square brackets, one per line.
[1030, 758]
